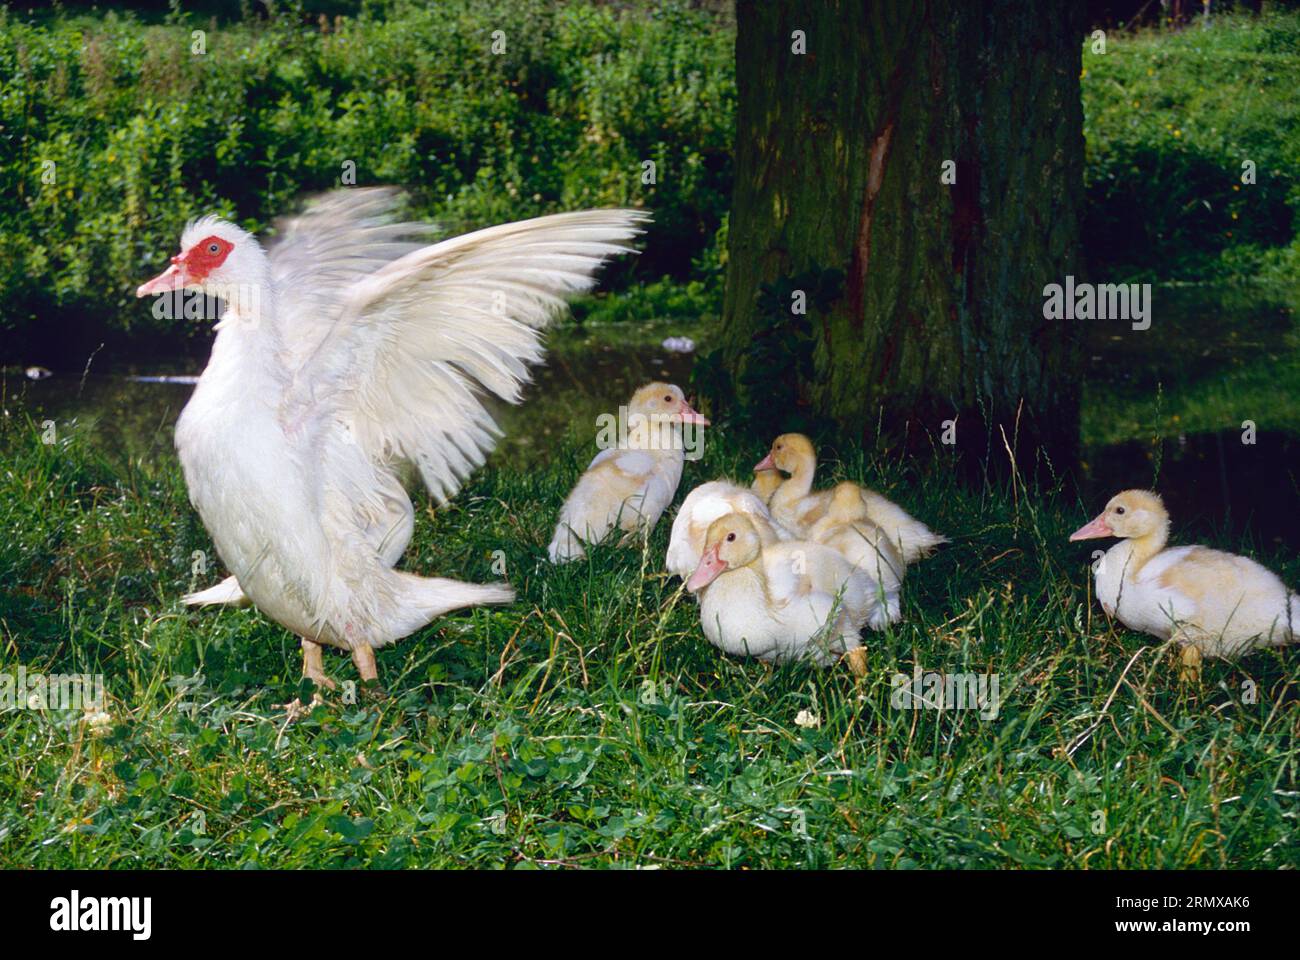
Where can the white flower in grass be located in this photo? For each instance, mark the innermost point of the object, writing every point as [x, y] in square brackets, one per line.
[807, 719]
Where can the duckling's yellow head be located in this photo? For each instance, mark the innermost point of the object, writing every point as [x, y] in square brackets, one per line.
[789, 451]
[1133, 513]
[847, 504]
[664, 400]
[731, 542]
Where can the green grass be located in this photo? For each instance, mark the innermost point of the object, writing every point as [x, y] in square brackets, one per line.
[591, 724]
[1170, 117]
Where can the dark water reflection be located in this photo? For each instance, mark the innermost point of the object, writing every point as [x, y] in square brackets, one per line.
[584, 371]
[1196, 333]
[1215, 486]
[1164, 408]
[1226, 354]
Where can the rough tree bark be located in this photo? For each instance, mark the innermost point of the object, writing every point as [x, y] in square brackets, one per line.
[840, 153]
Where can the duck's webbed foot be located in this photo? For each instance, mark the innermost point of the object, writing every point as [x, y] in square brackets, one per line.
[295, 709]
[313, 669]
[856, 658]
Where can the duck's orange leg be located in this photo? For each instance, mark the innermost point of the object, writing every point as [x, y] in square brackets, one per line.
[856, 658]
[313, 665]
[363, 655]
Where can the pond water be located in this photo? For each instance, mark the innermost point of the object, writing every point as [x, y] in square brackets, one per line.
[129, 411]
[1163, 407]
[1204, 407]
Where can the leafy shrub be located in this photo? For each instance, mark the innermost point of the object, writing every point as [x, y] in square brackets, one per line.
[141, 134]
[1170, 119]
[113, 132]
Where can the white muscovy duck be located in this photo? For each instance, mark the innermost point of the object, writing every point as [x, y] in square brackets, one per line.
[628, 485]
[706, 503]
[1214, 604]
[349, 352]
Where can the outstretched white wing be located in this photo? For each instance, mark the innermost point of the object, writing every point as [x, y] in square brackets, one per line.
[340, 238]
[405, 357]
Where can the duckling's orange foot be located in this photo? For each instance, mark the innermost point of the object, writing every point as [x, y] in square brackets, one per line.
[1189, 665]
[856, 658]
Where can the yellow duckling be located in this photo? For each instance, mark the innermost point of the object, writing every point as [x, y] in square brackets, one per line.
[1214, 604]
[781, 601]
[797, 507]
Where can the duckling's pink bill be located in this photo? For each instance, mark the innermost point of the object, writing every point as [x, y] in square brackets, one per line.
[710, 566]
[1093, 529]
[765, 464]
[691, 415]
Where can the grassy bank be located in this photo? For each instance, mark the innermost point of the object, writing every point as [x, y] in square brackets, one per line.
[591, 724]
[1171, 117]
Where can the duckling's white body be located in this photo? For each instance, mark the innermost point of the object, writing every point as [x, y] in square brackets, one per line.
[621, 489]
[912, 538]
[628, 487]
[1218, 604]
[867, 548]
[779, 608]
[702, 506]
[1222, 603]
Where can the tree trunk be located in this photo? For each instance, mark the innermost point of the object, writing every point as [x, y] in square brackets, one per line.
[927, 297]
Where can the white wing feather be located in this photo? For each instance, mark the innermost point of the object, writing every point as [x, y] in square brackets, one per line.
[418, 337]
[340, 238]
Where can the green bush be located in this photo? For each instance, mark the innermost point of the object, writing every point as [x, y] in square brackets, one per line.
[143, 134]
[113, 132]
[1171, 117]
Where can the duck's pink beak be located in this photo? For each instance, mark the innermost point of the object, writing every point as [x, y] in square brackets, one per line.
[1093, 529]
[708, 570]
[690, 415]
[765, 464]
[173, 278]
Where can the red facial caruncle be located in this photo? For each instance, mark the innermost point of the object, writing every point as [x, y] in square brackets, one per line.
[190, 267]
[204, 257]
